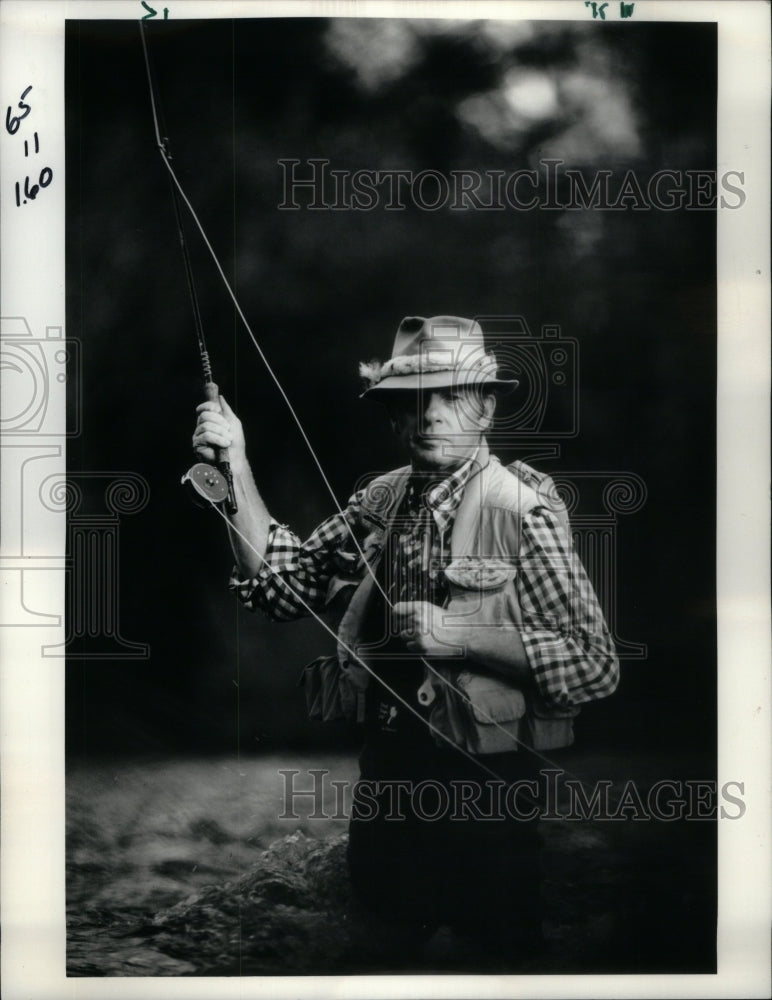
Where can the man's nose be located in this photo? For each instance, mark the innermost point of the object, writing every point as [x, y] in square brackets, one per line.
[431, 407]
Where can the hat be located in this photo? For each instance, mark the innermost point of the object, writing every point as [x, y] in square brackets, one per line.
[435, 353]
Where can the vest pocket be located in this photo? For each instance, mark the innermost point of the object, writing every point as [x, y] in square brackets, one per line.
[496, 710]
[321, 684]
[332, 692]
[483, 715]
[547, 727]
[476, 573]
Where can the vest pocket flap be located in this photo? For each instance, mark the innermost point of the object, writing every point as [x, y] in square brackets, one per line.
[474, 573]
[542, 709]
[492, 700]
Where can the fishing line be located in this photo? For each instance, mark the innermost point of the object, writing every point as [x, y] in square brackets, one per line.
[165, 158]
[475, 760]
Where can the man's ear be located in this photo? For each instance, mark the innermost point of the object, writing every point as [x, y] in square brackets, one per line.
[488, 409]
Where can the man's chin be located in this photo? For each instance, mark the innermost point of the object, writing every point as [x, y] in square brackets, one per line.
[435, 456]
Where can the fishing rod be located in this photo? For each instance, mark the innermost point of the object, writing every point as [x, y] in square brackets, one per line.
[212, 483]
[207, 483]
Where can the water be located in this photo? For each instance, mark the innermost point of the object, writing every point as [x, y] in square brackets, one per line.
[143, 836]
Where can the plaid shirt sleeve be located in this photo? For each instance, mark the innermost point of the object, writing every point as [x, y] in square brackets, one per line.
[295, 572]
[566, 639]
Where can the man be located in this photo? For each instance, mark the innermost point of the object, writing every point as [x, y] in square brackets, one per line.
[468, 634]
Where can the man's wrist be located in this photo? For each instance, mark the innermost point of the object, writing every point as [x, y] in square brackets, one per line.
[239, 465]
[452, 637]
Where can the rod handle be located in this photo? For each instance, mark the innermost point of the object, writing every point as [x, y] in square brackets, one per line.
[212, 393]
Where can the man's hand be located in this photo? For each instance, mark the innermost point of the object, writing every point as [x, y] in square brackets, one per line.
[219, 427]
[496, 649]
[421, 628]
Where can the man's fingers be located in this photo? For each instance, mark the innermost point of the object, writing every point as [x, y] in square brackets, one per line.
[217, 426]
[412, 610]
[405, 612]
[212, 439]
[410, 621]
[212, 429]
[213, 421]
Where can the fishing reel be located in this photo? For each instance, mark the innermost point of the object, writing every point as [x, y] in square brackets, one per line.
[209, 484]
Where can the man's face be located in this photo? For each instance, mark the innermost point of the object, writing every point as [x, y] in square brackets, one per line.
[440, 428]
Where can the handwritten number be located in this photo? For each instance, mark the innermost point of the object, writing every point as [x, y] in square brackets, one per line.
[598, 9]
[12, 122]
[151, 12]
[30, 192]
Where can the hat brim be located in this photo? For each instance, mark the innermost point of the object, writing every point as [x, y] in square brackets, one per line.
[435, 380]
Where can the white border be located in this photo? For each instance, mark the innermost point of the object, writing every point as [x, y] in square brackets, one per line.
[32, 688]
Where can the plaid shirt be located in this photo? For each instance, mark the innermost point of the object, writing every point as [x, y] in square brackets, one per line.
[567, 642]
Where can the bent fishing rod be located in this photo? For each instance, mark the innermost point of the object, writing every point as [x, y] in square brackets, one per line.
[206, 482]
[212, 483]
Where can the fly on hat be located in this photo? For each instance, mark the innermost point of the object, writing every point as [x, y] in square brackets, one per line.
[435, 353]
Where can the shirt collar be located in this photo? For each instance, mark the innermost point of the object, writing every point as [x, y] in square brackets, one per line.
[443, 498]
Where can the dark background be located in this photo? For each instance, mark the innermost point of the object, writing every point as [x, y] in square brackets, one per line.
[323, 290]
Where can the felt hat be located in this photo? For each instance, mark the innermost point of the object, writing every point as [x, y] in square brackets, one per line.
[435, 353]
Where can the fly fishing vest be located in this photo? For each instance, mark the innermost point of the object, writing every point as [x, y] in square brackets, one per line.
[481, 712]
